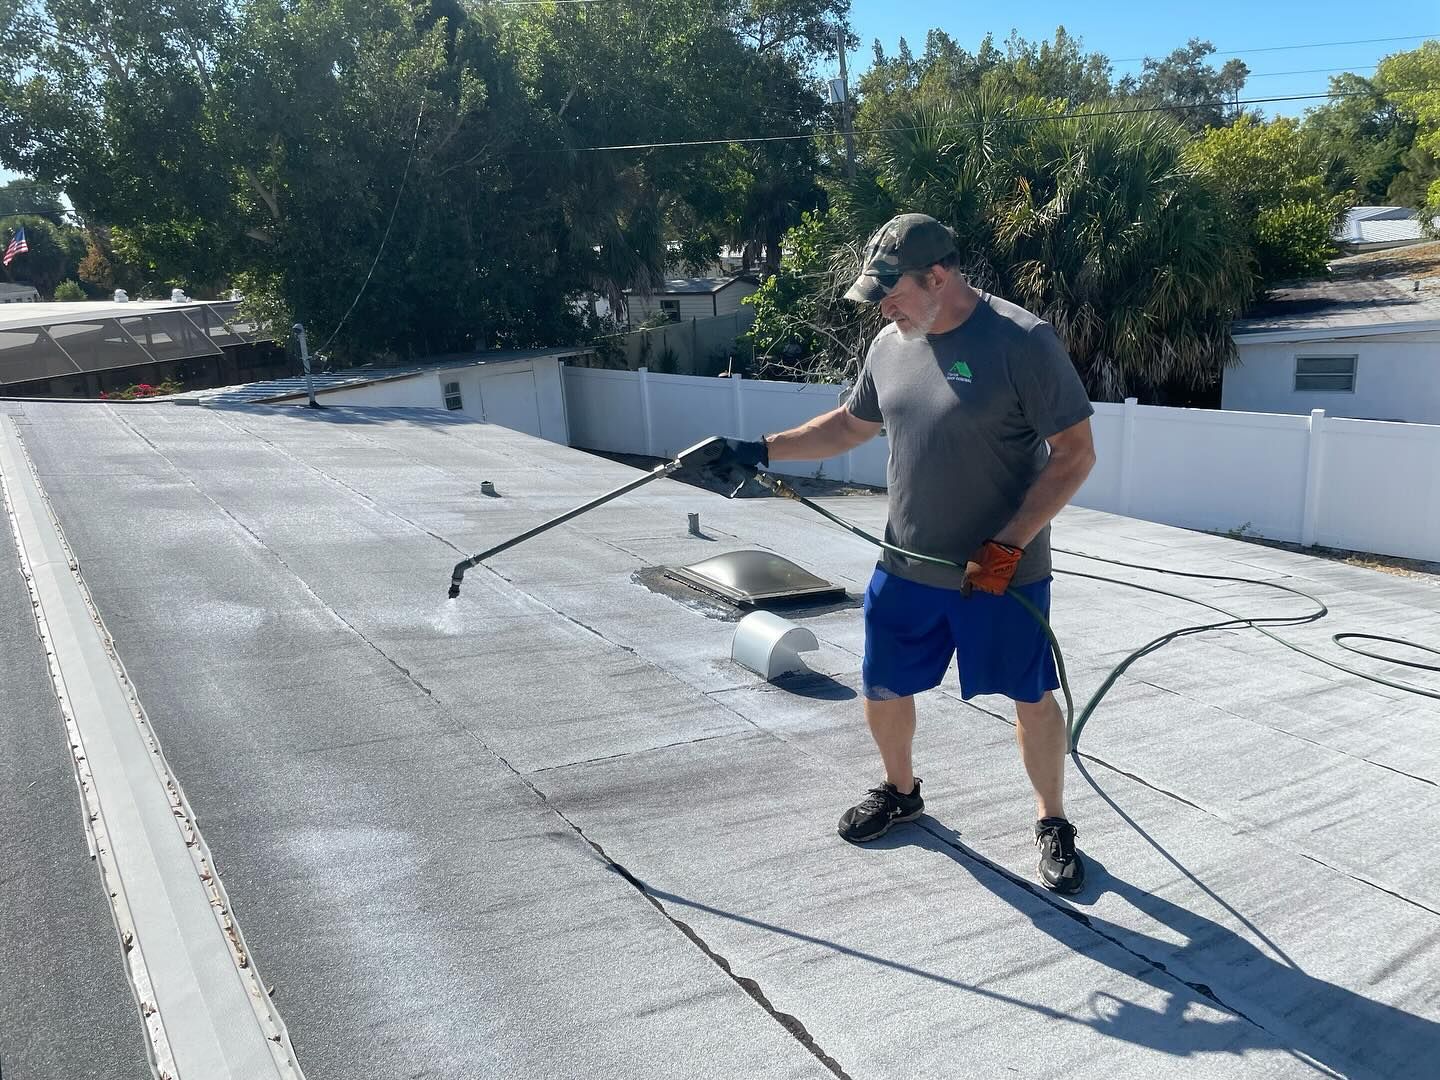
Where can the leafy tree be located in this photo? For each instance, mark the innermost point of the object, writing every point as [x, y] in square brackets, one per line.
[1059, 69]
[1192, 90]
[1360, 137]
[1419, 169]
[25, 196]
[1276, 194]
[806, 30]
[1412, 81]
[104, 269]
[803, 325]
[672, 72]
[1056, 69]
[434, 156]
[69, 291]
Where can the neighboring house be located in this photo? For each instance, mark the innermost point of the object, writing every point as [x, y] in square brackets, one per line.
[730, 261]
[690, 298]
[18, 294]
[1375, 228]
[1355, 347]
[520, 389]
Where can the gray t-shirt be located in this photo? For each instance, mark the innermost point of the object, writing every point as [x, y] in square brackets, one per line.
[967, 412]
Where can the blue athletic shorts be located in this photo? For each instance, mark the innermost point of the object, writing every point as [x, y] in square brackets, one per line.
[912, 631]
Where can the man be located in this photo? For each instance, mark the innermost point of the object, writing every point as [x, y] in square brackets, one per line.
[971, 389]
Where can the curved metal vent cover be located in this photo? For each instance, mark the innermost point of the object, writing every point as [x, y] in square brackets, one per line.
[754, 577]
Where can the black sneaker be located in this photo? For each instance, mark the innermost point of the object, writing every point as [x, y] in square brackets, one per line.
[882, 807]
[1062, 869]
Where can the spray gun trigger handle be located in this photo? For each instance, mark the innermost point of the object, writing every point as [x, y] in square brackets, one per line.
[702, 453]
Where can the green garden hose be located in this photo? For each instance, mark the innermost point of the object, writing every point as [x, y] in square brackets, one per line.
[1076, 724]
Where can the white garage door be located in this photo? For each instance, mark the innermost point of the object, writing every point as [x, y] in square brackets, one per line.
[508, 399]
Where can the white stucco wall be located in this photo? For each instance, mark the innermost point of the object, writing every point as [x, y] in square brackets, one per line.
[525, 395]
[1397, 377]
[415, 392]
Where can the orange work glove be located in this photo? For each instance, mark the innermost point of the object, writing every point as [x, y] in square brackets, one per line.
[991, 568]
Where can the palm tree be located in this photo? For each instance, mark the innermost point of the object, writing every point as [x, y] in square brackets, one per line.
[1094, 223]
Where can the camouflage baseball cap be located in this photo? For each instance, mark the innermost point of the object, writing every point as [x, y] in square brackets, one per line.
[905, 242]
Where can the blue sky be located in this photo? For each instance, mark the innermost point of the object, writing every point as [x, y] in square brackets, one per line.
[1132, 28]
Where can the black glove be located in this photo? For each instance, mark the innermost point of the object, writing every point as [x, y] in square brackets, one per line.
[735, 465]
[750, 455]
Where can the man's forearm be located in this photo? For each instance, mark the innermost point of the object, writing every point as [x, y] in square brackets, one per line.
[1052, 490]
[825, 436]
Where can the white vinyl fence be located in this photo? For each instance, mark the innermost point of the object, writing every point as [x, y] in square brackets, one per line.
[691, 347]
[1355, 484]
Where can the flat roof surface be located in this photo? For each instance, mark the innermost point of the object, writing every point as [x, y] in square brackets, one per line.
[681, 286]
[1344, 304]
[269, 390]
[550, 829]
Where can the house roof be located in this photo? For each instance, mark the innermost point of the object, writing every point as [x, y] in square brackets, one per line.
[273, 390]
[9, 291]
[1417, 262]
[696, 286]
[1380, 225]
[550, 828]
[1346, 307]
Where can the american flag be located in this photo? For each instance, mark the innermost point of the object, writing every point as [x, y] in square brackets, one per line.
[17, 246]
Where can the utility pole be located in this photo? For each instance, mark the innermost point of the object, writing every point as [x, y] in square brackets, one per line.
[845, 104]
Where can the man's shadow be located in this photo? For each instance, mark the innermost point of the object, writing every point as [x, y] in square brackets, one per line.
[1319, 1023]
[1326, 1028]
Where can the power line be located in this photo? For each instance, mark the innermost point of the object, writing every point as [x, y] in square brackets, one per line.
[997, 120]
[414, 142]
[1311, 71]
[1288, 48]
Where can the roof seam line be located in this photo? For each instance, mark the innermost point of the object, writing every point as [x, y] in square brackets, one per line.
[635, 753]
[1283, 732]
[336, 481]
[790, 1023]
[1080, 917]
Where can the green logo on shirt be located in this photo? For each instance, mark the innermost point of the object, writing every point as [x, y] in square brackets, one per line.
[959, 372]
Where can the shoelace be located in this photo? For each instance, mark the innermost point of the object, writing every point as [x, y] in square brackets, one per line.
[877, 799]
[1062, 836]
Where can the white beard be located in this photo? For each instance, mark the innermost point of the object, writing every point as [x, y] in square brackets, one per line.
[920, 326]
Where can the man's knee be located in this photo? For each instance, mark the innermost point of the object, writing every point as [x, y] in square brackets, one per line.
[1043, 711]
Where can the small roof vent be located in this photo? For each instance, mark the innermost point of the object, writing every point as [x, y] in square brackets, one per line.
[754, 578]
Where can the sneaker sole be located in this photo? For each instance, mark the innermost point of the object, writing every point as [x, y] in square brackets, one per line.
[1057, 889]
[888, 825]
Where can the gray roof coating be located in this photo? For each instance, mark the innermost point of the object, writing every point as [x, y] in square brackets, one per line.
[435, 820]
[680, 286]
[272, 390]
[1380, 225]
[1384, 305]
